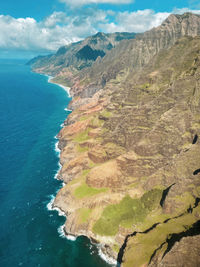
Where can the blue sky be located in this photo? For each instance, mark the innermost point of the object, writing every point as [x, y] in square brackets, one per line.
[31, 27]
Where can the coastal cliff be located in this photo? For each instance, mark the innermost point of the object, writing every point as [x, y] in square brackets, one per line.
[130, 149]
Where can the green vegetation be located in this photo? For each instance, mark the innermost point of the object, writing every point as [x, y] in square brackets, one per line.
[82, 149]
[145, 86]
[116, 248]
[184, 200]
[80, 178]
[83, 136]
[126, 213]
[84, 214]
[152, 240]
[86, 191]
[96, 122]
[113, 150]
[105, 113]
[62, 80]
[151, 199]
[84, 118]
[85, 81]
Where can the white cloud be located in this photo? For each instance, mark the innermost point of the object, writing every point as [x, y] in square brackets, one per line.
[138, 21]
[26, 34]
[86, 2]
[183, 10]
[56, 30]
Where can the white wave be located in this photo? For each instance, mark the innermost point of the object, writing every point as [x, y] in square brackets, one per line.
[63, 234]
[106, 258]
[50, 207]
[66, 109]
[49, 77]
[61, 231]
[60, 212]
[70, 237]
[57, 148]
[67, 89]
[57, 173]
[50, 204]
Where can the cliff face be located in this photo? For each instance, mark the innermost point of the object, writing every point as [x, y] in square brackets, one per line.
[130, 150]
[131, 55]
[76, 56]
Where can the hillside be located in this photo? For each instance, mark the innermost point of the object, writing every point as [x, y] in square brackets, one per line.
[130, 150]
[77, 56]
[131, 55]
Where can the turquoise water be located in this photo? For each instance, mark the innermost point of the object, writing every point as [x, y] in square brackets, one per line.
[31, 112]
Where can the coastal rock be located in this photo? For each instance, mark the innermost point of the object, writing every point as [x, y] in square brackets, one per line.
[73, 129]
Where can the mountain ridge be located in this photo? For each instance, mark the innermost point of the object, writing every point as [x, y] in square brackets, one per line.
[134, 54]
[70, 55]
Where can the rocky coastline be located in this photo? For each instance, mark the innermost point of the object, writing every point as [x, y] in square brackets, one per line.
[129, 150]
[105, 252]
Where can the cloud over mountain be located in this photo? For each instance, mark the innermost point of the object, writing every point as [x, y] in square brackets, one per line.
[60, 28]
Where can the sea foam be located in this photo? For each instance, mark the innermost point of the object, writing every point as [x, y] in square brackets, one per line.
[106, 258]
[61, 230]
[62, 233]
[50, 207]
[57, 148]
[67, 89]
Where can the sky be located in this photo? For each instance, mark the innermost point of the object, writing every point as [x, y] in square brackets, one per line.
[32, 27]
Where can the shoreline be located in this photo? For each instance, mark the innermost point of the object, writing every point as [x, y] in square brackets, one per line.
[50, 206]
[67, 89]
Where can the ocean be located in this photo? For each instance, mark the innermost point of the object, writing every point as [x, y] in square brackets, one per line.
[31, 113]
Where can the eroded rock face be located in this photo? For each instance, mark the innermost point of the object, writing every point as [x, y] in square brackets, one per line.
[97, 154]
[106, 175]
[74, 167]
[73, 129]
[134, 54]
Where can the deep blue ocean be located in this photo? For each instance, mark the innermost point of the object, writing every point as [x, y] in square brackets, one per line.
[31, 112]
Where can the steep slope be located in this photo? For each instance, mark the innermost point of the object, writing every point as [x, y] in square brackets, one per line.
[131, 55]
[131, 159]
[77, 56]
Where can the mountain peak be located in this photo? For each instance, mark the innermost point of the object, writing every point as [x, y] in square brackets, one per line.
[99, 34]
[181, 17]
